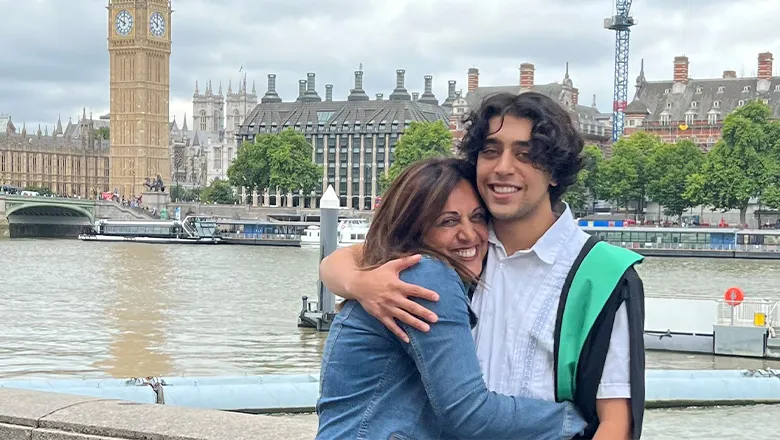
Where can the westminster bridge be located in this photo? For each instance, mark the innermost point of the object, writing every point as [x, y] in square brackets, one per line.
[25, 216]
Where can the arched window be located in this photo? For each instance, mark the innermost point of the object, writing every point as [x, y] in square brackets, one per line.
[217, 121]
[203, 120]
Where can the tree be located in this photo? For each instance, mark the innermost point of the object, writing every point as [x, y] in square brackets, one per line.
[103, 133]
[623, 177]
[668, 168]
[421, 140]
[742, 163]
[41, 190]
[220, 192]
[280, 160]
[586, 187]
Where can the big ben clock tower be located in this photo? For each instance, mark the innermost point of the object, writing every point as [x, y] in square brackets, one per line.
[139, 47]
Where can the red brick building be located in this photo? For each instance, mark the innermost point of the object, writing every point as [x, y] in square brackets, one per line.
[687, 108]
[595, 126]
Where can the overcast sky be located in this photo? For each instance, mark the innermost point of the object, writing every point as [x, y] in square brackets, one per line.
[54, 58]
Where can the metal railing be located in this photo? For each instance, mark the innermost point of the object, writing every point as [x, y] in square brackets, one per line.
[700, 246]
[744, 314]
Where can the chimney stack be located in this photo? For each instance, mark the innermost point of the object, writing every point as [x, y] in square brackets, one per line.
[358, 94]
[270, 94]
[301, 89]
[379, 96]
[451, 90]
[473, 76]
[428, 97]
[328, 92]
[765, 65]
[400, 93]
[310, 85]
[415, 96]
[527, 76]
[729, 74]
[681, 69]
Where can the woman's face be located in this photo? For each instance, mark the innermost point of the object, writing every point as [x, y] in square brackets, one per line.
[460, 231]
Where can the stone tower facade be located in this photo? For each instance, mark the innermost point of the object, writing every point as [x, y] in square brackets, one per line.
[208, 109]
[239, 104]
[139, 46]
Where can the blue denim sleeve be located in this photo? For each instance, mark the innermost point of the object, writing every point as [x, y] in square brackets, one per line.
[447, 359]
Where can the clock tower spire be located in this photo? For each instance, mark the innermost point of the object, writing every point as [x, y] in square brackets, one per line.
[139, 46]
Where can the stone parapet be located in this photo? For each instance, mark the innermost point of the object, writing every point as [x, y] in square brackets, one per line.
[37, 415]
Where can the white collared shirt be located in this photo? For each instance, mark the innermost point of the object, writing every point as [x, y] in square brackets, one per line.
[517, 311]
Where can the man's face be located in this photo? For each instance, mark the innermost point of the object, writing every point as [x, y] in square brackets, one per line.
[511, 186]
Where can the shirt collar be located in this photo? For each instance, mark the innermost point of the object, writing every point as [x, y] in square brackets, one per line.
[548, 245]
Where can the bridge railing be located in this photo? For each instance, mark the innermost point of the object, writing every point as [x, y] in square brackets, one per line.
[745, 313]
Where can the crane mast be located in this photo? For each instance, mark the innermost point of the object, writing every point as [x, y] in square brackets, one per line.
[621, 23]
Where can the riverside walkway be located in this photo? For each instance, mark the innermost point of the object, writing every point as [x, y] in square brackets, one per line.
[31, 415]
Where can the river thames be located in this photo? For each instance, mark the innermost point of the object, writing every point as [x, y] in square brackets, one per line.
[74, 309]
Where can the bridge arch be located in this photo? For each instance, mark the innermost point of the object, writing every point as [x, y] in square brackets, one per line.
[43, 209]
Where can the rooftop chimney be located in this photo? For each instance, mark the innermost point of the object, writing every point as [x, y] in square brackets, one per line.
[527, 76]
[270, 95]
[415, 96]
[450, 94]
[311, 89]
[358, 94]
[400, 93]
[328, 92]
[681, 69]
[379, 96]
[301, 89]
[765, 65]
[473, 79]
[428, 97]
[729, 74]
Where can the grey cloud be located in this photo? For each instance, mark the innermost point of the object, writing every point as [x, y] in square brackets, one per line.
[56, 61]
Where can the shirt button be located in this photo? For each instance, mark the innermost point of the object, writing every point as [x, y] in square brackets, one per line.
[501, 265]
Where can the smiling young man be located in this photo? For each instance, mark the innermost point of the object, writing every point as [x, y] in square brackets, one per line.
[561, 316]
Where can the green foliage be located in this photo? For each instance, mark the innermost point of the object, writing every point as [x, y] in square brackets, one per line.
[742, 165]
[103, 133]
[421, 140]
[668, 168]
[182, 194]
[586, 188]
[624, 178]
[220, 192]
[280, 160]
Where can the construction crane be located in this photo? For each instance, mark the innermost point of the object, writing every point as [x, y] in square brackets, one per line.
[621, 23]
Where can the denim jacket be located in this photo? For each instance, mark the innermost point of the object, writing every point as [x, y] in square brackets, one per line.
[375, 387]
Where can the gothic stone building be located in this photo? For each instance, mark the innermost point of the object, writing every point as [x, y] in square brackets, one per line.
[69, 162]
[594, 125]
[687, 108]
[354, 140]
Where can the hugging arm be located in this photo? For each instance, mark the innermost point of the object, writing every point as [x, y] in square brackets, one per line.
[446, 357]
[380, 291]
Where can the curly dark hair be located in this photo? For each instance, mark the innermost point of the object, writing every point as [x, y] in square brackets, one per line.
[556, 145]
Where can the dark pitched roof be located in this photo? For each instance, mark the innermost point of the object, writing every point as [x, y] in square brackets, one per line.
[339, 113]
[721, 95]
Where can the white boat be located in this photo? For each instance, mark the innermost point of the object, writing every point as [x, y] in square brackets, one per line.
[351, 231]
[191, 230]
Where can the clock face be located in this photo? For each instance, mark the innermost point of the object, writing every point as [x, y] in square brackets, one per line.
[124, 23]
[157, 24]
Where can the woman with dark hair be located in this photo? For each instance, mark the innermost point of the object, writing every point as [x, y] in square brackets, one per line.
[375, 386]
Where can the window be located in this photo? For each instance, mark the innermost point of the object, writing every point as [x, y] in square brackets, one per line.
[766, 102]
[745, 89]
[740, 103]
[218, 158]
[777, 88]
[712, 118]
[668, 105]
[721, 89]
[203, 120]
[666, 92]
[716, 104]
[698, 90]
[665, 119]
[632, 122]
[694, 104]
[689, 117]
